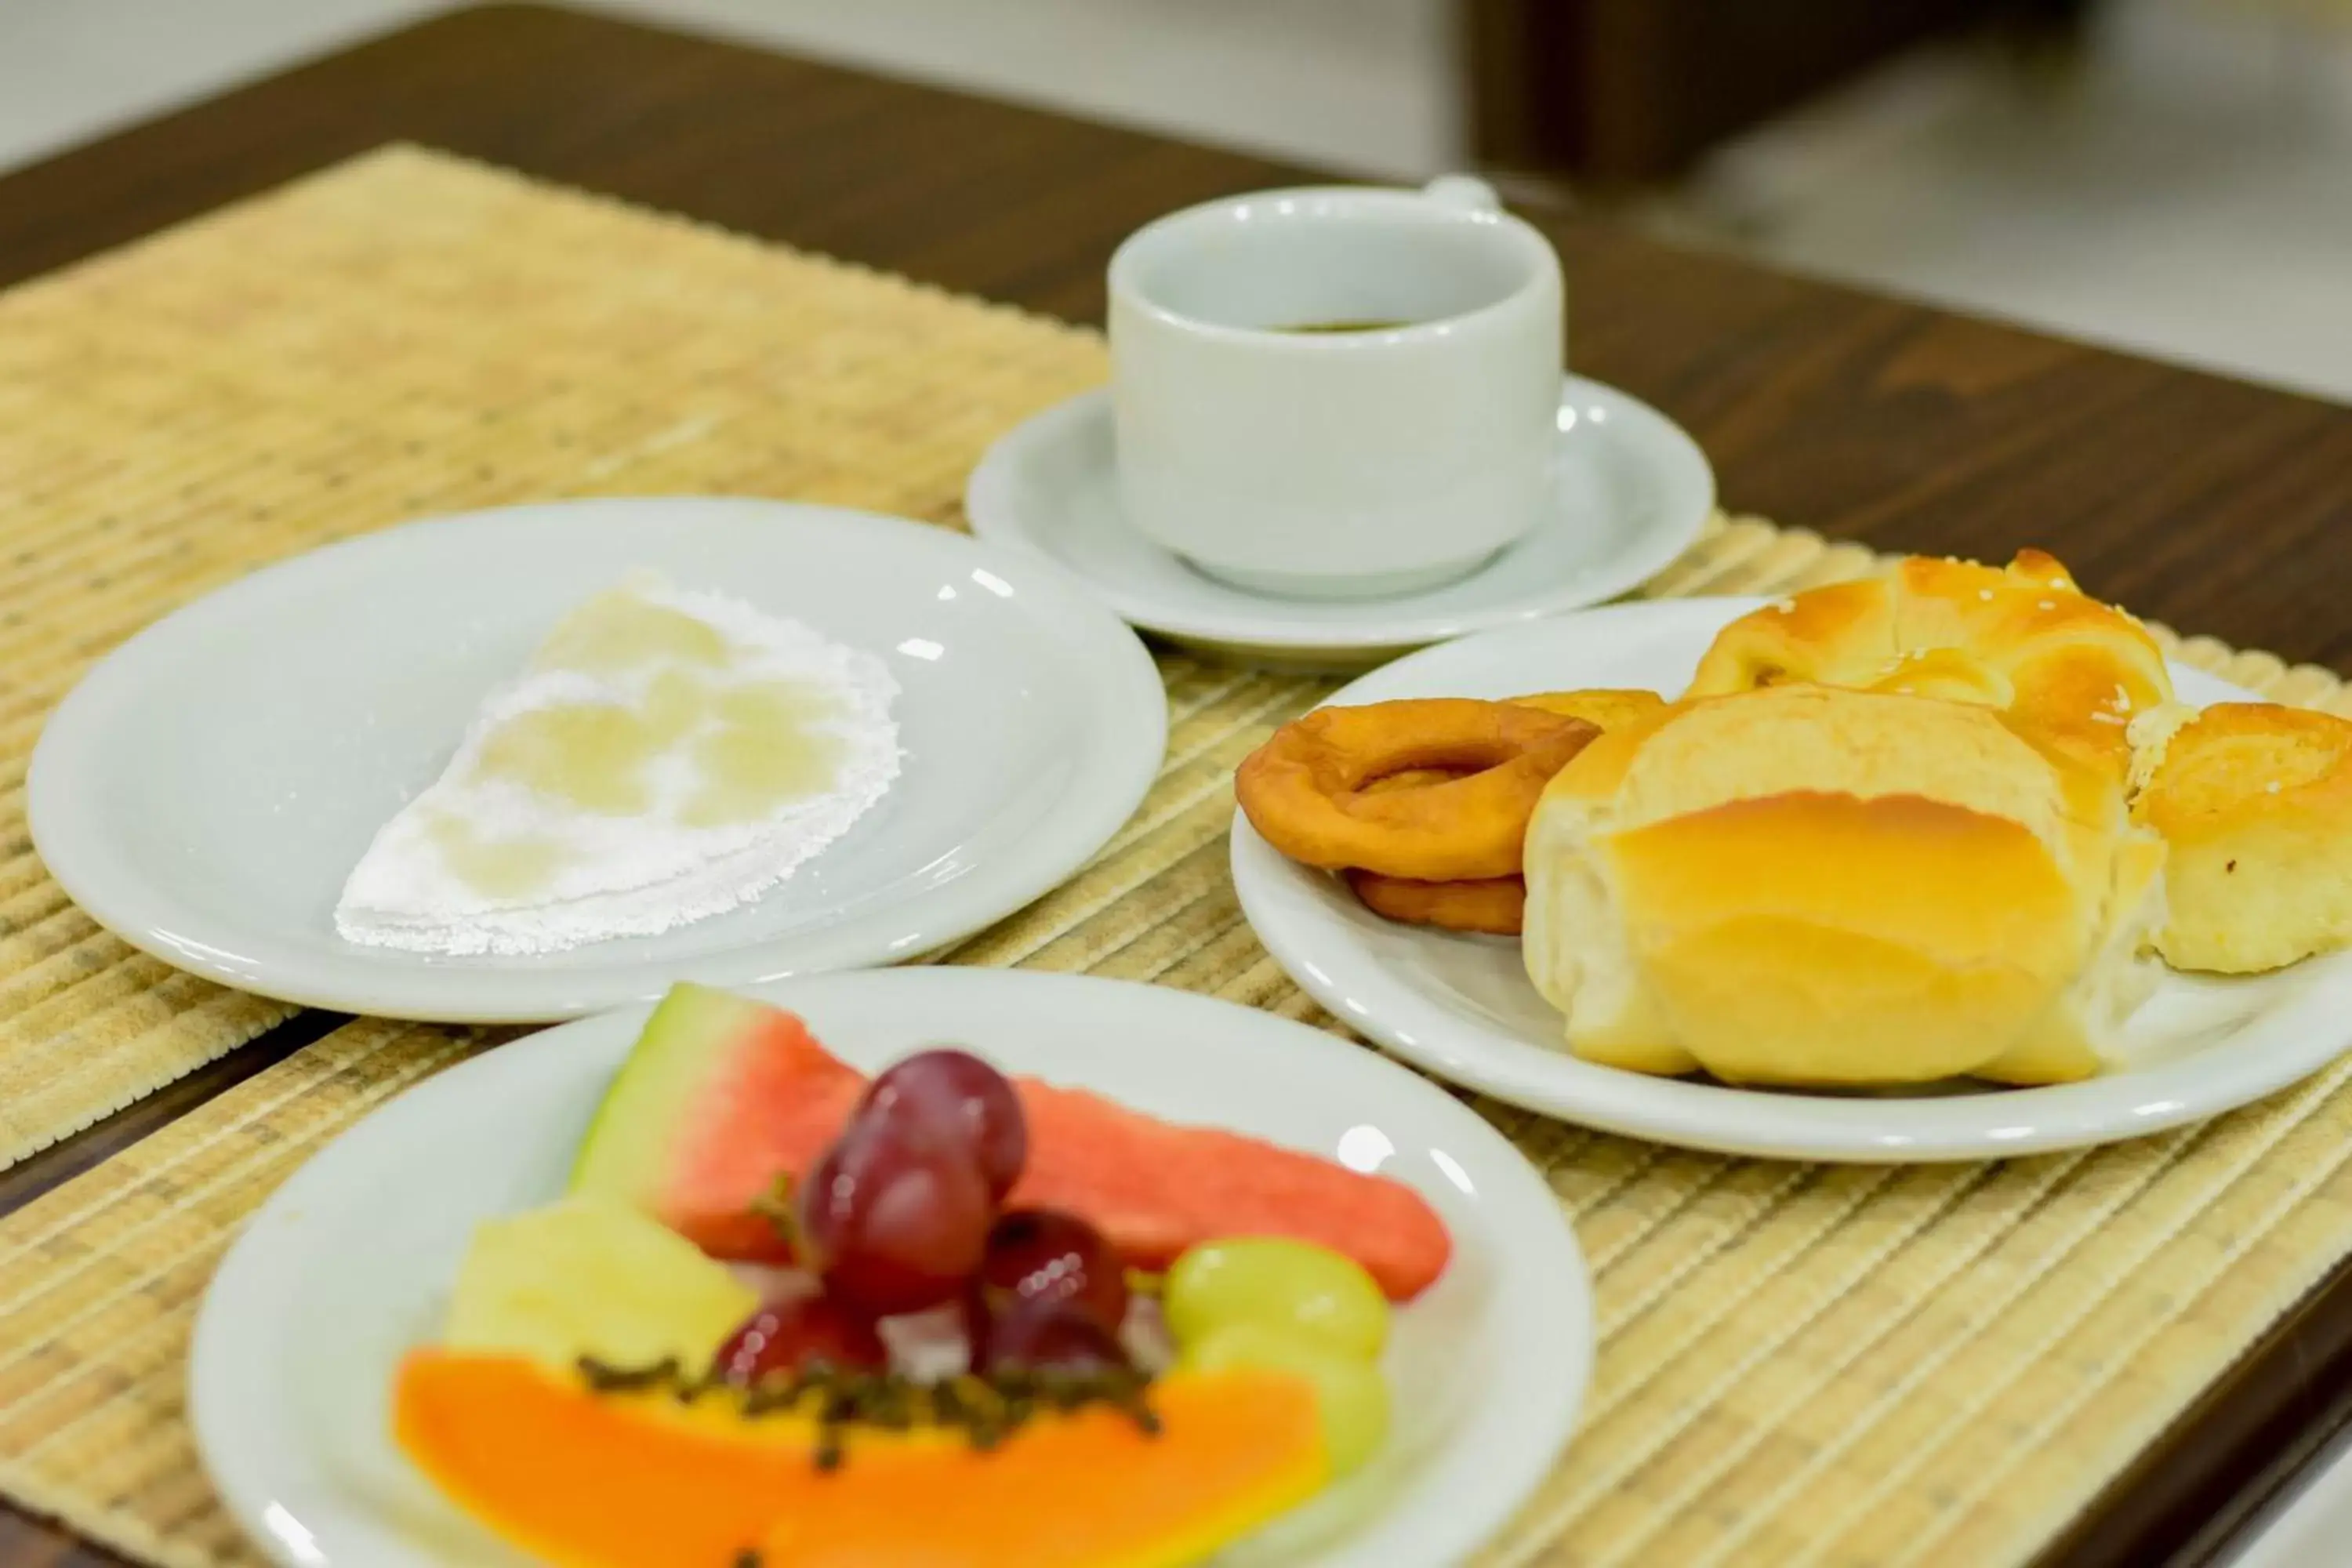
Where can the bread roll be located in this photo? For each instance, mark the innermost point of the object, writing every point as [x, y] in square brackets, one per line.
[2255, 802]
[2022, 639]
[1810, 885]
[1604, 708]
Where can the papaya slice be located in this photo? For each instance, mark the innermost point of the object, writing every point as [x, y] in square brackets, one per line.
[586, 1479]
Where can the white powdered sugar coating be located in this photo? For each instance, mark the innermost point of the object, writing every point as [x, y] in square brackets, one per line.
[640, 873]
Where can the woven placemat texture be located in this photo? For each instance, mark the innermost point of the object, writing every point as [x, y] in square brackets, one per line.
[1851, 1365]
[383, 342]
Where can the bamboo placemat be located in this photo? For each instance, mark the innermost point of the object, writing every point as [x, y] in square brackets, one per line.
[351, 352]
[1854, 1365]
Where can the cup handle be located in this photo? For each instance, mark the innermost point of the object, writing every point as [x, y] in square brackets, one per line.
[1465, 193]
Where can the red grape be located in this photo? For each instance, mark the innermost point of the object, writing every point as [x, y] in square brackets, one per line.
[960, 1092]
[797, 1333]
[1044, 1254]
[895, 1215]
[1037, 1334]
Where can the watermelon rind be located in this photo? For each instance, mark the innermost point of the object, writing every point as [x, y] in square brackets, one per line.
[626, 1155]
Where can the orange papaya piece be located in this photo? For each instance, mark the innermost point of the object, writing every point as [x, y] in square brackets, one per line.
[586, 1479]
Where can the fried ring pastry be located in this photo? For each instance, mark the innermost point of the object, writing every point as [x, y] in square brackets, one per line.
[1412, 778]
[1605, 707]
[1304, 790]
[1495, 905]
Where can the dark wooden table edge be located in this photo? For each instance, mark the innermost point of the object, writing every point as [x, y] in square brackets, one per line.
[46, 1170]
[2189, 1499]
[2202, 1491]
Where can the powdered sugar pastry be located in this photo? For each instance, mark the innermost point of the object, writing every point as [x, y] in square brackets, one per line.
[667, 756]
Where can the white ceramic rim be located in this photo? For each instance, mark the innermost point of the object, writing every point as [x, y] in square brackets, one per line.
[1433, 204]
[2277, 1047]
[1687, 483]
[1493, 1464]
[1127, 743]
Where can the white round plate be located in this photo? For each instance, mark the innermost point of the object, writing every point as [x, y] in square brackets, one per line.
[1462, 1007]
[346, 1267]
[1634, 489]
[208, 786]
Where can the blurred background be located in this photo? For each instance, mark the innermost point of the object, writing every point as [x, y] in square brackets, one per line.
[2171, 176]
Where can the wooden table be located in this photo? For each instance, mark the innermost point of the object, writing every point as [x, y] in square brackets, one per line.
[2212, 505]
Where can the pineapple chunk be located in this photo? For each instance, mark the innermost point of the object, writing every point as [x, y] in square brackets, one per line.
[586, 1276]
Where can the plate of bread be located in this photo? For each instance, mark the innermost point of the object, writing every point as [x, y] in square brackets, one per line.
[1947, 862]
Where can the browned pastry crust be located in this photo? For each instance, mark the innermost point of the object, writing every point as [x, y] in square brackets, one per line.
[2255, 802]
[1493, 905]
[2021, 639]
[1304, 790]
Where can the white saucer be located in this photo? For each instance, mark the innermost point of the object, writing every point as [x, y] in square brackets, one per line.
[347, 1265]
[1635, 491]
[1462, 1006]
[207, 787]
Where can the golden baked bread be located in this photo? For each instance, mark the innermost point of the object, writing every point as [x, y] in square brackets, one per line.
[1604, 708]
[2021, 638]
[1810, 885]
[2255, 802]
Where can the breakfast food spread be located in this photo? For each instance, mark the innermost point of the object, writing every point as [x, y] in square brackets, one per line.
[1806, 885]
[1936, 822]
[938, 1328]
[2255, 802]
[666, 756]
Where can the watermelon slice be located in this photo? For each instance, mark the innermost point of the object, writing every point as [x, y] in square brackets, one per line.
[1156, 1189]
[723, 1095]
[719, 1097]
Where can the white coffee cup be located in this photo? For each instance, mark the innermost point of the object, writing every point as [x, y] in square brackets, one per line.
[1336, 463]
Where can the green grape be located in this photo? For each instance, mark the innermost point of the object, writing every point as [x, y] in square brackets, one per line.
[1349, 1393]
[1300, 1288]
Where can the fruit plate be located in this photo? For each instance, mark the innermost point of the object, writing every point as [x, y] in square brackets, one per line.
[1462, 1007]
[346, 1265]
[207, 787]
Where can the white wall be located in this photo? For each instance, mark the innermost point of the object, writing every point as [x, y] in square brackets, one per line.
[1358, 85]
[2189, 194]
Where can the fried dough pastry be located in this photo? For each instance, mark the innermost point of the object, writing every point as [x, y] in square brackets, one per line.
[1493, 905]
[1304, 790]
